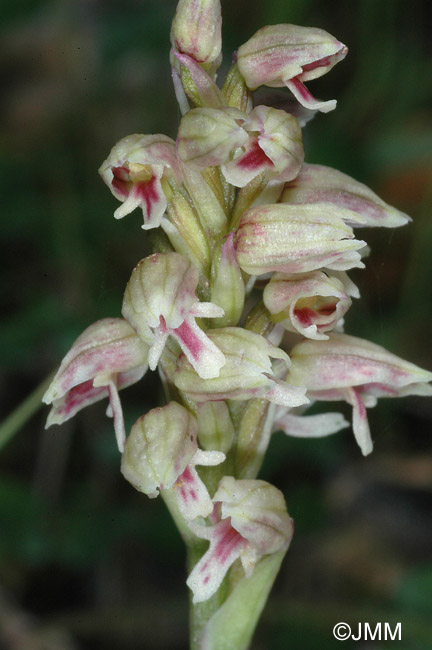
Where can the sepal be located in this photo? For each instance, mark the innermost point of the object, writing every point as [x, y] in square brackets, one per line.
[317, 183]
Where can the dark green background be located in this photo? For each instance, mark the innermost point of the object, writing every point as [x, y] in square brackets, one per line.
[97, 565]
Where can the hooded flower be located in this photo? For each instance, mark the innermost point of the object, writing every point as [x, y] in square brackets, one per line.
[135, 172]
[160, 301]
[357, 371]
[317, 184]
[161, 453]
[296, 239]
[308, 303]
[266, 141]
[247, 372]
[288, 55]
[106, 357]
[251, 521]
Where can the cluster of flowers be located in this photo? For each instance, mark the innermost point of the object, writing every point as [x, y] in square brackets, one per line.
[234, 200]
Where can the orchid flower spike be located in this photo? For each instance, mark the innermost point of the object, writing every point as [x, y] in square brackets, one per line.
[357, 371]
[247, 372]
[251, 521]
[161, 453]
[160, 301]
[308, 303]
[266, 141]
[136, 171]
[107, 357]
[288, 55]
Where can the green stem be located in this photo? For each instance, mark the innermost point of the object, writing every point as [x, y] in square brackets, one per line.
[16, 420]
[171, 503]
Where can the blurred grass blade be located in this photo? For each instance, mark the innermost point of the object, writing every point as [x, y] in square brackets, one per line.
[16, 420]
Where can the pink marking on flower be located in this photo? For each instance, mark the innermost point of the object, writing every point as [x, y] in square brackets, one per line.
[305, 315]
[326, 60]
[327, 310]
[301, 89]
[254, 158]
[382, 388]
[226, 545]
[186, 335]
[162, 325]
[79, 394]
[228, 542]
[121, 180]
[147, 192]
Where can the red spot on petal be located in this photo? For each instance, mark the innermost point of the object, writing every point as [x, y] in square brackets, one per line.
[301, 89]
[192, 342]
[121, 180]
[319, 63]
[79, 394]
[327, 310]
[254, 158]
[305, 315]
[227, 544]
[147, 192]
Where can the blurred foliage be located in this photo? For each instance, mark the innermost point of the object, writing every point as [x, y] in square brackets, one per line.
[79, 548]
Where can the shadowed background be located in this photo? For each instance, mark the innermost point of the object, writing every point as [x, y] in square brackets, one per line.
[85, 561]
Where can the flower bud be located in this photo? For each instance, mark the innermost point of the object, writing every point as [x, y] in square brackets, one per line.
[107, 357]
[310, 303]
[296, 239]
[317, 183]
[247, 372]
[134, 170]
[288, 55]
[160, 301]
[160, 446]
[196, 31]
